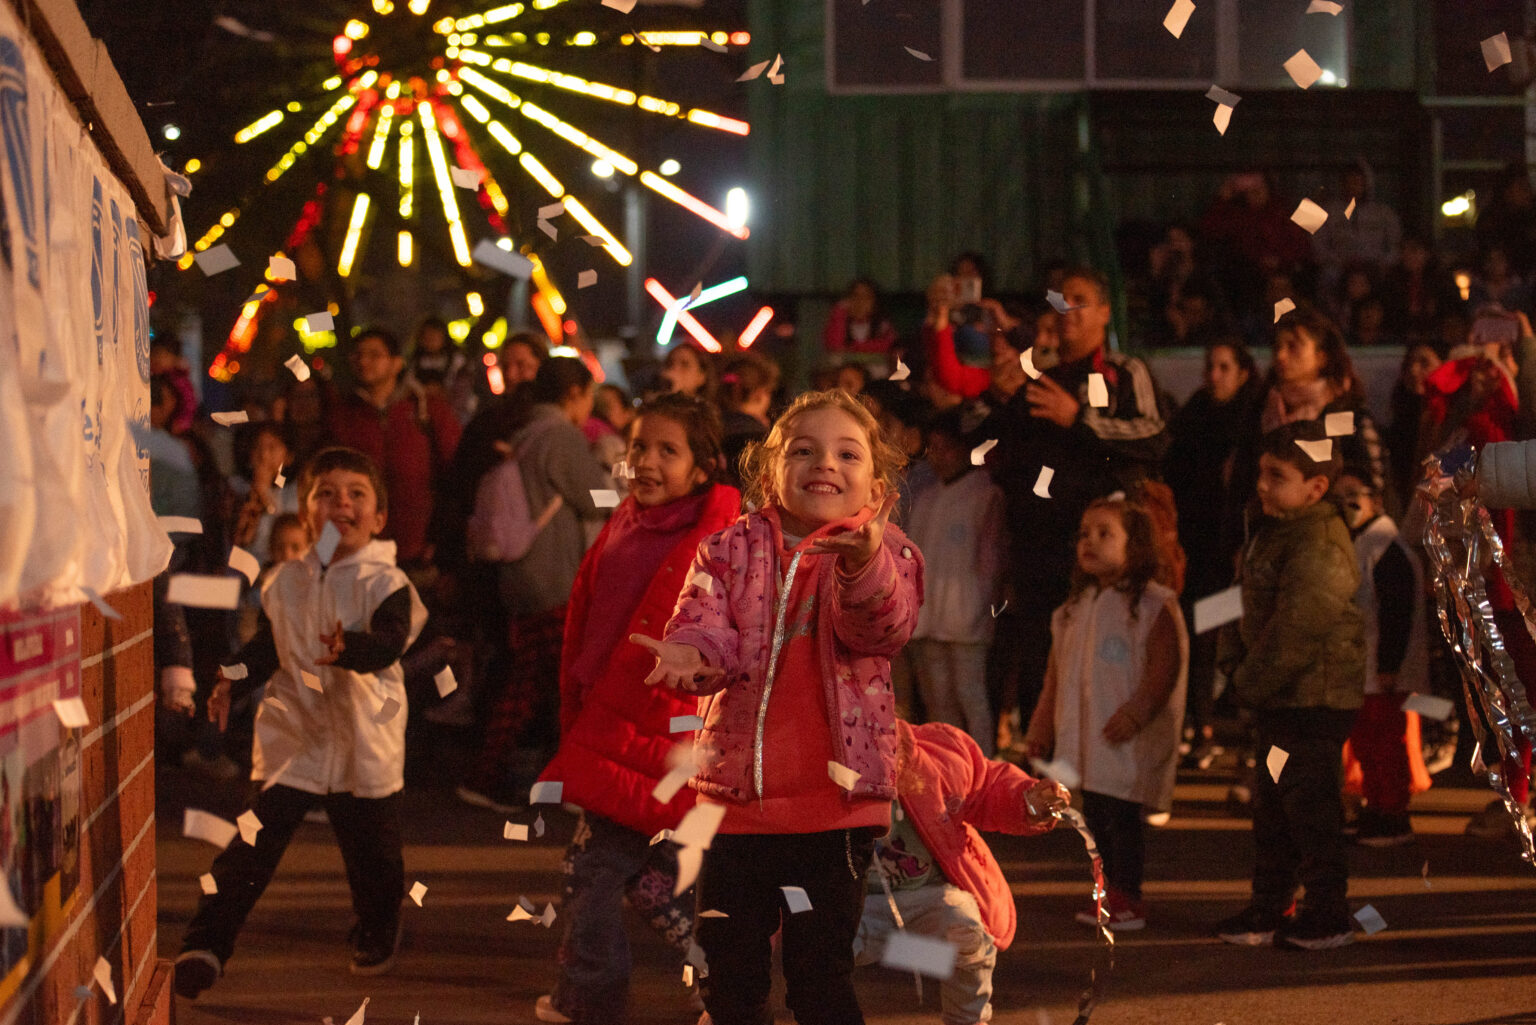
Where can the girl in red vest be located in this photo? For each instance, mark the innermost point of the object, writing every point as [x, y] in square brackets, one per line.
[615, 732]
[787, 624]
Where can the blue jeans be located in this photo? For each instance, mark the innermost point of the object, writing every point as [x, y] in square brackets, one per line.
[940, 911]
[606, 863]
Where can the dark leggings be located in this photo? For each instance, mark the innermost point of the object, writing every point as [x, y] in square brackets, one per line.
[1118, 828]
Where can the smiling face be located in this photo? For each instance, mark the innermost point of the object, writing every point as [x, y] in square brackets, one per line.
[663, 461]
[826, 471]
[346, 499]
[1101, 542]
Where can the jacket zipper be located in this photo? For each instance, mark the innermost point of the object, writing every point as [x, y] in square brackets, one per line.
[773, 668]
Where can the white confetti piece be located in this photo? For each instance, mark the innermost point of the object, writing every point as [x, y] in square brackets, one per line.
[516, 265]
[235, 672]
[689, 861]
[418, 891]
[688, 975]
[1339, 425]
[703, 581]
[902, 371]
[1309, 216]
[1370, 920]
[842, 775]
[209, 885]
[446, 683]
[752, 72]
[1218, 609]
[297, 367]
[325, 548]
[1027, 361]
[103, 975]
[586, 279]
[549, 229]
[1303, 69]
[101, 604]
[548, 917]
[1317, 451]
[546, 791]
[360, 1013]
[920, 55]
[387, 711]
[979, 453]
[199, 591]
[514, 831]
[922, 954]
[1430, 707]
[314, 323]
[523, 912]
[622, 6]
[796, 898]
[538, 825]
[699, 826]
[1178, 17]
[685, 724]
[311, 681]
[550, 212]
[200, 825]
[1275, 762]
[1222, 119]
[465, 178]
[249, 825]
[1496, 51]
[605, 498]
[244, 562]
[1098, 391]
[713, 914]
[239, 416]
[1222, 96]
[775, 75]
[661, 834]
[180, 524]
[1061, 770]
[1282, 307]
[676, 778]
[71, 713]
[1324, 7]
[282, 269]
[218, 260]
[279, 480]
[1058, 301]
[1349, 211]
[1043, 482]
[82, 992]
[1425, 873]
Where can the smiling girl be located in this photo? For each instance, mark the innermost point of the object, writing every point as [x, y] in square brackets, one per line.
[786, 624]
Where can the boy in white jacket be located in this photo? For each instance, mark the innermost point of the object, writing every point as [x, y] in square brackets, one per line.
[958, 525]
[331, 729]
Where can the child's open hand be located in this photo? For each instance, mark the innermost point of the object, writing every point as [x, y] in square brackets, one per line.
[1122, 726]
[335, 643]
[218, 703]
[1045, 801]
[677, 665]
[855, 548]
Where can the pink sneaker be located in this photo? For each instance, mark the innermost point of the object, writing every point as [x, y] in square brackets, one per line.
[1125, 915]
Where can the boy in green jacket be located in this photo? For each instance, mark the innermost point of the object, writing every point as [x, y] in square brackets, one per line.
[1297, 659]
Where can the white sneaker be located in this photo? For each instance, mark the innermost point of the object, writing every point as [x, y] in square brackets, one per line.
[544, 1010]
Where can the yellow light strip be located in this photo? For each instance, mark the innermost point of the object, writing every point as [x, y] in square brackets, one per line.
[405, 248]
[315, 134]
[475, 303]
[546, 287]
[354, 234]
[381, 135]
[672, 38]
[419, 7]
[725, 124]
[444, 184]
[594, 227]
[692, 203]
[258, 126]
[476, 109]
[507, 139]
[570, 83]
[577, 137]
[407, 170]
[666, 108]
[495, 90]
[541, 175]
[497, 15]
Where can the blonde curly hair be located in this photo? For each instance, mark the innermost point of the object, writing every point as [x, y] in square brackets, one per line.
[760, 462]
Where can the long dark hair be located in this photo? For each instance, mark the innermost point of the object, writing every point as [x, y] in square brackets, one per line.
[700, 422]
[1338, 369]
[1140, 552]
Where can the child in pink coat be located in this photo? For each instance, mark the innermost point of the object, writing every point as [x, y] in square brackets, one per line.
[786, 627]
[943, 880]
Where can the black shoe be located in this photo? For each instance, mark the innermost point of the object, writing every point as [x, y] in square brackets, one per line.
[1316, 931]
[1251, 927]
[1385, 830]
[196, 970]
[374, 950]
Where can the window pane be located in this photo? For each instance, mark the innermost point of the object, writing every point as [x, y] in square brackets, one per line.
[1269, 33]
[1131, 42]
[1022, 40]
[868, 43]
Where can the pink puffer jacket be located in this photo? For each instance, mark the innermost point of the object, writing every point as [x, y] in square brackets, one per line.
[728, 610]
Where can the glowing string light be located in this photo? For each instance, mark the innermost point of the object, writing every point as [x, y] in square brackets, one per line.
[381, 136]
[755, 328]
[405, 247]
[546, 287]
[708, 295]
[611, 243]
[419, 7]
[495, 90]
[689, 202]
[691, 325]
[316, 132]
[434, 144]
[407, 170]
[260, 125]
[354, 235]
[541, 175]
[578, 138]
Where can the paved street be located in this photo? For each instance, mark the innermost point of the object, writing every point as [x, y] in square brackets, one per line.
[1460, 943]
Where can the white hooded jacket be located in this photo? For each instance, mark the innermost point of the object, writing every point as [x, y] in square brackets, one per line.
[347, 736]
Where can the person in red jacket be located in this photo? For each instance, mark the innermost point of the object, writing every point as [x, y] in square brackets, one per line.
[615, 732]
[408, 432]
[940, 877]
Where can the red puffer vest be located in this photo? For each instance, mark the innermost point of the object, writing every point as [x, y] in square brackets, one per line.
[615, 736]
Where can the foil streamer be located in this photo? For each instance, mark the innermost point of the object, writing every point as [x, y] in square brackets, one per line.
[1090, 996]
[1460, 542]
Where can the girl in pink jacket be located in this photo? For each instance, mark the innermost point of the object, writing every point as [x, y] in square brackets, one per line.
[786, 627]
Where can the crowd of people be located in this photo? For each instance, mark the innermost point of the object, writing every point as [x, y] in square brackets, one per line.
[974, 548]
